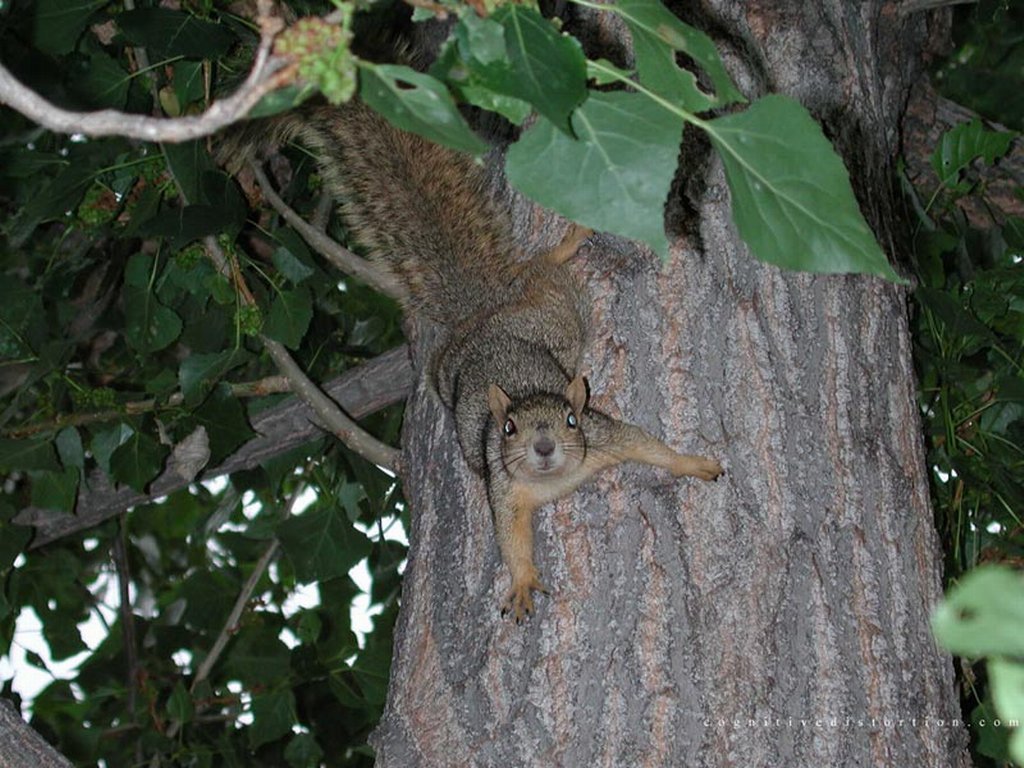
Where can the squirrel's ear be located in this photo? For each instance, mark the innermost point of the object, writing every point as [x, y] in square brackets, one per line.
[576, 394]
[498, 402]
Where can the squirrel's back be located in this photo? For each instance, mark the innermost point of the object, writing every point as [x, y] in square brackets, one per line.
[420, 208]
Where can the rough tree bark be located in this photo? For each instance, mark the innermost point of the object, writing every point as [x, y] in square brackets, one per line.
[776, 618]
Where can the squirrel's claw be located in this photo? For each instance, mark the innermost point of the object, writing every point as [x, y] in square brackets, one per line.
[519, 600]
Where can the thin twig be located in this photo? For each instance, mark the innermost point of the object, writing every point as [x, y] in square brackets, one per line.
[268, 73]
[270, 385]
[343, 259]
[334, 419]
[124, 579]
[244, 595]
[322, 214]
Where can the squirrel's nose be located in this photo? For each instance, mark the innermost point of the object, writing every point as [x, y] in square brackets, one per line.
[544, 446]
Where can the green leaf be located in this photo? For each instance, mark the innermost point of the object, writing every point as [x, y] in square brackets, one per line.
[470, 87]
[55, 490]
[273, 717]
[545, 68]
[19, 309]
[614, 178]
[308, 628]
[31, 453]
[182, 226]
[167, 34]
[258, 657]
[199, 373]
[58, 197]
[226, 425]
[603, 72]
[289, 317]
[138, 461]
[208, 599]
[149, 325]
[179, 704]
[101, 81]
[322, 544]
[983, 615]
[13, 539]
[290, 266]
[657, 35]
[281, 100]
[303, 752]
[371, 670]
[189, 161]
[962, 144]
[1007, 680]
[69, 447]
[418, 103]
[59, 23]
[791, 196]
[188, 82]
[105, 442]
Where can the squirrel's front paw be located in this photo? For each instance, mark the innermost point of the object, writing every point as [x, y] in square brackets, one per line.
[697, 466]
[519, 601]
[710, 469]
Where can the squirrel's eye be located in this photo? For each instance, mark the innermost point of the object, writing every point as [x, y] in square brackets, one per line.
[570, 420]
[509, 429]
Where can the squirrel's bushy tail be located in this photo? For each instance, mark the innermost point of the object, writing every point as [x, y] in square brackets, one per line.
[421, 209]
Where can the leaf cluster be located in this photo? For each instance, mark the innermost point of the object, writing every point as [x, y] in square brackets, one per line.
[119, 340]
[969, 352]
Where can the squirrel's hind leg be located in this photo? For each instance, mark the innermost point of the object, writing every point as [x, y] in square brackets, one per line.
[571, 242]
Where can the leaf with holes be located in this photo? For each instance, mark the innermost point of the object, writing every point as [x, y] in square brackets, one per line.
[418, 103]
[983, 615]
[657, 35]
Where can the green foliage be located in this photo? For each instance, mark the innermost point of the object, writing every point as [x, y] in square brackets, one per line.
[986, 71]
[792, 199]
[969, 350]
[119, 339]
[984, 616]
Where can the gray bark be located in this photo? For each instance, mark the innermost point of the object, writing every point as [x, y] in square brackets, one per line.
[20, 746]
[776, 618]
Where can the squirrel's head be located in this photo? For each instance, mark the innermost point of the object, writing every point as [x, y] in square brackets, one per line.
[541, 436]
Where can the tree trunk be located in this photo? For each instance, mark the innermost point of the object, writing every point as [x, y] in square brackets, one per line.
[776, 618]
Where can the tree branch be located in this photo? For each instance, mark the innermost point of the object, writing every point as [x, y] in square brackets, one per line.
[332, 417]
[268, 73]
[22, 747]
[381, 382]
[342, 258]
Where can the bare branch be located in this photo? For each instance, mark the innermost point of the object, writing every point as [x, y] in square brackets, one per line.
[376, 384]
[268, 73]
[342, 258]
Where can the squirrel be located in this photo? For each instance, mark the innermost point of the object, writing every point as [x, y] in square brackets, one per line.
[515, 327]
